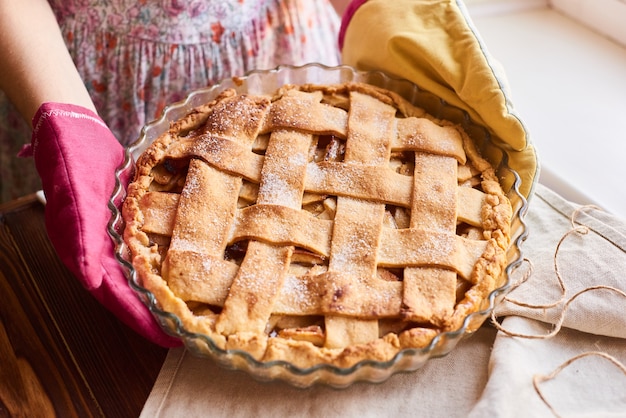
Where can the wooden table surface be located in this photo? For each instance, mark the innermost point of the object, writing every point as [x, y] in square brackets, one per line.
[61, 353]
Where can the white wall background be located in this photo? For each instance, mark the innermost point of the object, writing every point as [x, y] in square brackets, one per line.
[567, 75]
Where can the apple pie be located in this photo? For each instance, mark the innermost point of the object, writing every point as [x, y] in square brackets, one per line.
[320, 224]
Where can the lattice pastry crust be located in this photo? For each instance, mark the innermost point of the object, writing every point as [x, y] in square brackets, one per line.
[325, 224]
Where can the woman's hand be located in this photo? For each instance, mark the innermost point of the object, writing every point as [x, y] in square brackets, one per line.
[76, 156]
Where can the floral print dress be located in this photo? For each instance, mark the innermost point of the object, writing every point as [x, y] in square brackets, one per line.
[137, 56]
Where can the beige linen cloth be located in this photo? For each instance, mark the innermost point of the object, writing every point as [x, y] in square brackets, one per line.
[502, 370]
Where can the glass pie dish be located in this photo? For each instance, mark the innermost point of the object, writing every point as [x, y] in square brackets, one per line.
[265, 82]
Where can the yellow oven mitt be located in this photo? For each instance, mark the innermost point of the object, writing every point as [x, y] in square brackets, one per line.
[434, 44]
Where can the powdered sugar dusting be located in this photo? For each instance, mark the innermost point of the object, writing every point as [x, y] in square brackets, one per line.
[275, 189]
[295, 292]
[184, 244]
[192, 186]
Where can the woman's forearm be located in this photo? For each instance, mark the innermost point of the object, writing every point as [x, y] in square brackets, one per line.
[35, 65]
[340, 5]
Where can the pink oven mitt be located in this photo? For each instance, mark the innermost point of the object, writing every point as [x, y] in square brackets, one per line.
[76, 156]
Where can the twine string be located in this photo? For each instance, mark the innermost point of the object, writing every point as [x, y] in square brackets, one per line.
[576, 228]
[538, 379]
[581, 230]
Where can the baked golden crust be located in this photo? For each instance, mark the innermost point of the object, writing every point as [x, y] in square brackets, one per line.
[324, 224]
